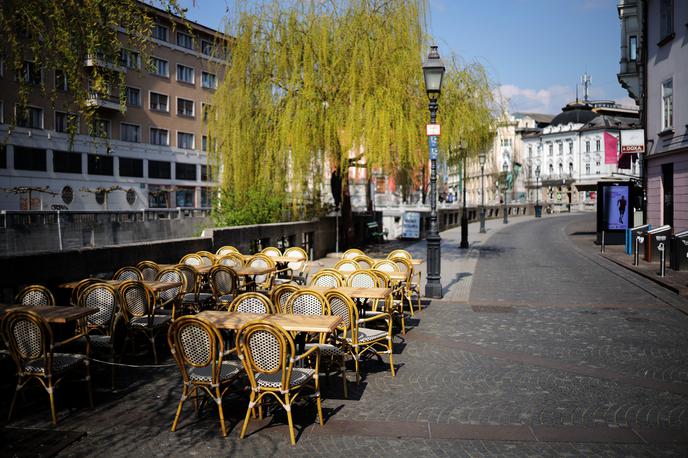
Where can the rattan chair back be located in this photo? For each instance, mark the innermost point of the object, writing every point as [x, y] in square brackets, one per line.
[261, 260]
[300, 258]
[281, 294]
[342, 305]
[223, 280]
[149, 269]
[352, 253]
[365, 262]
[225, 250]
[327, 277]
[252, 303]
[128, 273]
[404, 265]
[385, 265]
[266, 348]
[191, 259]
[171, 274]
[231, 260]
[207, 258]
[29, 338]
[399, 253]
[383, 278]
[347, 265]
[363, 279]
[105, 298]
[307, 302]
[137, 300]
[271, 251]
[79, 288]
[192, 278]
[35, 295]
[195, 343]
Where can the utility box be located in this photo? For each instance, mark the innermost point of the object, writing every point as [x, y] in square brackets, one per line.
[679, 252]
[651, 251]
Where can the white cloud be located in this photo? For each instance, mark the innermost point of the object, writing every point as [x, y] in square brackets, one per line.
[547, 100]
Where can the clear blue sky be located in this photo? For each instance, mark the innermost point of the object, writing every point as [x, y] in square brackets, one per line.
[534, 50]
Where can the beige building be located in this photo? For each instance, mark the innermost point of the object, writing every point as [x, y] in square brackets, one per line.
[155, 154]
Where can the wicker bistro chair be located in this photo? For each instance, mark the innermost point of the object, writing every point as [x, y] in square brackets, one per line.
[225, 250]
[128, 273]
[281, 275]
[281, 294]
[199, 351]
[191, 259]
[231, 260]
[193, 300]
[252, 303]
[171, 298]
[138, 307]
[35, 295]
[207, 258]
[386, 265]
[32, 347]
[262, 282]
[364, 261]
[271, 251]
[352, 253]
[412, 286]
[399, 253]
[347, 265]
[224, 284]
[328, 278]
[79, 288]
[299, 267]
[148, 269]
[307, 302]
[268, 354]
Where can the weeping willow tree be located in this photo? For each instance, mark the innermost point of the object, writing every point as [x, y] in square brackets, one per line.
[317, 87]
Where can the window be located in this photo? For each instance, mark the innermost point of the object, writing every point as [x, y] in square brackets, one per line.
[100, 128]
[159, 32]
[66, 162]
[30, 117]
[185, 171]
[561, 149]
[550, 149]
[185, 197]
[207, 47]
[185, 74]
[133, 97]
[570, 147]
[208, 80]
[666, 21]
[185, 140]
[29, 159]
[130, 167]
[667, 105]
[598, 146]
[130, 132]
[64, 122]
[159, 102]
[61, 81]
[530, 151]
[159, 136]
[205, 197]
[587, 169]
[185, 107]
[587, 146]
[204, 173]
[100, 164]
[206, 109]
[204, 143]
[30, 73]
[3, 157]
[130, 59]
[633, 48]
[184, 40]
[159, 169]
[160, 67]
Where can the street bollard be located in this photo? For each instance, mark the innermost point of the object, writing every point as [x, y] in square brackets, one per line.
[602, 245]
[660, 248]
[636, 252]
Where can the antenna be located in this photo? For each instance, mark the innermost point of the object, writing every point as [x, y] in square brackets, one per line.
[586, 80]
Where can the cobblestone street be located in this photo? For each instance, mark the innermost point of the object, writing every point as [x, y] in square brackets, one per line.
[540, 348]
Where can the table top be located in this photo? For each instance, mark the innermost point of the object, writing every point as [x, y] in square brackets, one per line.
[253, 270]
[303, 323]
[414, 261]
[52, 314]
[354, 293]
[154, 285]
[396, 276]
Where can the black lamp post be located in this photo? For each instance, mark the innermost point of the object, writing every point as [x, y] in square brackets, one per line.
[505, 167]
[464, 214]
[433, 71]
[538, 211]
[482, 157]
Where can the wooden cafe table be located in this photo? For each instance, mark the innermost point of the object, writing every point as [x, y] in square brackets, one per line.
[250, 272]
[155, 285]
[51, 314]
[297, 323]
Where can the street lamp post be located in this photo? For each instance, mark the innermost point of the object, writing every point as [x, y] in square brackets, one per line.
[505, 167]
[464, 214]
[538, 210]
[433, 71]
[482, 157]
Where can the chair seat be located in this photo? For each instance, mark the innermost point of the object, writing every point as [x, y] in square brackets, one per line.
[327, 349]
[61, 362]
[97, 340]
[203, 374]
[158, 321]
[226, 298]
[282, 281]
[299, 376]
[369, 335]
[192, 298]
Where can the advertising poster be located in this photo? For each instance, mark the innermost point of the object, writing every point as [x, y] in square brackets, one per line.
[410, 228]
[616, 207]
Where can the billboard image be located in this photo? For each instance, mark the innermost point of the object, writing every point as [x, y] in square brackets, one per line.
[616, 207]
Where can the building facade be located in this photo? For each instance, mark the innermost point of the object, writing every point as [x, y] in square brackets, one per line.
[154, 153]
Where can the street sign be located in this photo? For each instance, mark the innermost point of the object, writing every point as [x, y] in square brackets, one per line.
[410, 228]
[432, 129]
[433, 142]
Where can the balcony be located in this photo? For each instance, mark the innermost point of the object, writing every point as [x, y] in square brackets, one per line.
[97, 60]
[107, 101]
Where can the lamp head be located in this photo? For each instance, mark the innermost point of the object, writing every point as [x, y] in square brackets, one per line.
[482, 157]
[433, 71]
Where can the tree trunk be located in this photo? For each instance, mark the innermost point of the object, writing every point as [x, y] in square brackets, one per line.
[369, 192]
[347, 214]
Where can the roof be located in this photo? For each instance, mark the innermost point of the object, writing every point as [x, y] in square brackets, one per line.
[576, 113]
[539, 118]
[611, 122]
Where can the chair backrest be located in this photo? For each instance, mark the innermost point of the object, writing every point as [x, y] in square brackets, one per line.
[223, 280]
[383, 278]
[307, 302]
[343, 305]
[364, 261]
[347, 265]
[404, 265]
[207, 258]
[105, 298]
[352, 253]
[137, 299]
[225, 250]
[266, 348]
[148, 269]
[300, 258]
[386, 265]
[171, 274]
[128, 273]
[35, 295]
[280, 296]
[271, 251]
[363, 279]
[251, 303]
[399, 253]
[327, 277]
[231, 260]
[79, 288]
[191, 259]
[261, 260]
[28, 336]
[191, 276]
[196, 343]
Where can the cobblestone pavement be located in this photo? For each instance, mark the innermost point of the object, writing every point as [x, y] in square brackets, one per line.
[540, 348]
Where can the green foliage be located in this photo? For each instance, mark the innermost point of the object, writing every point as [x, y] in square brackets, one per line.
[256, 205]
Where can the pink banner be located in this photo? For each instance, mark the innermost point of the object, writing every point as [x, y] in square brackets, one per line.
[610, 148]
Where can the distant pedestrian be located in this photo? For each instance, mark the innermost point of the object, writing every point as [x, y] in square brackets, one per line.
[621, 204]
